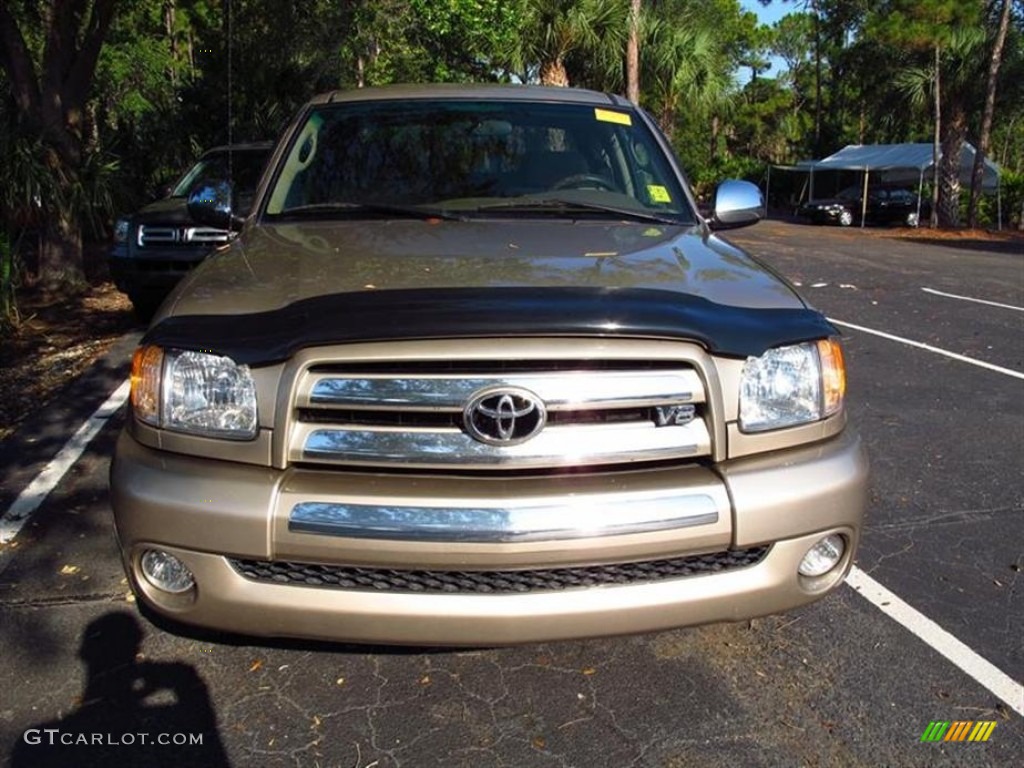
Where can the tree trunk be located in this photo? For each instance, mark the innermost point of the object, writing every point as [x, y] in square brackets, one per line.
[51, 97]
[978, 172]
[172, 42]
[667, 121]
[817, 79]
[633, 54]
[949, 166]
[716, 126]
[936, 148]
[61, 268]
[554, 73]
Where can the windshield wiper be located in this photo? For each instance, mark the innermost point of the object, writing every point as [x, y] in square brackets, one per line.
[377, 209]
[540, 204]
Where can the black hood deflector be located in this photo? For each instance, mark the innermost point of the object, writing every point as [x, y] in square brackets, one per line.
[270, 337]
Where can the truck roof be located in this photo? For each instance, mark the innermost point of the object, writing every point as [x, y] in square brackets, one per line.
[507, 92]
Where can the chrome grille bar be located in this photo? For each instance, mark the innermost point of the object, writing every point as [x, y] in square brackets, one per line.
[578, 391]
[555, 446]
[153, 235]
[575, 519]
[206, 235]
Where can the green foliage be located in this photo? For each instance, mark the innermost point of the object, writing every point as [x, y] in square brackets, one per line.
[463, 39]
[731, 167]
[391, 41]
[769, 124]
[35, 187]
[922, 24]
[1013, 199]
[178, 76]
[583, 40]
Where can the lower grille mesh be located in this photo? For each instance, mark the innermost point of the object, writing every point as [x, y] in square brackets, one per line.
[490, 582]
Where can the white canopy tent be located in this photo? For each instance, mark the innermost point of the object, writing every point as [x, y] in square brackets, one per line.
[894, 164]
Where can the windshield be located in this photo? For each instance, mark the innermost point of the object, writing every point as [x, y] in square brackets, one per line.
[476, 158]
[850, 193]
[246, 168]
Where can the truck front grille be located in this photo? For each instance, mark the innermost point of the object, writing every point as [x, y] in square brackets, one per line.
[410, 416]
[495, 582]
[171, 235]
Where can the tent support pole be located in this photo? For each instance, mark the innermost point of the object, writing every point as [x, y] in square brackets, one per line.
[810, 191]
[767, 190]
[999, 203]
[864, 200]
[920, 189]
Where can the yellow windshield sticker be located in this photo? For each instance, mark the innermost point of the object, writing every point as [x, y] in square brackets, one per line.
[608, 116]
[658, 194]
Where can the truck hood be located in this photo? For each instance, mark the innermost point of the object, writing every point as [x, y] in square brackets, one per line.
[166, 211]
[270, 267]
[332, 282]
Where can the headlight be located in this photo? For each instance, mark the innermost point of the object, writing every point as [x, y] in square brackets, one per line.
[787, 386]
[194, 392]
[121, 228]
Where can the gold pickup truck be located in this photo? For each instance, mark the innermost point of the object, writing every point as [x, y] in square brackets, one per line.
[476, 371]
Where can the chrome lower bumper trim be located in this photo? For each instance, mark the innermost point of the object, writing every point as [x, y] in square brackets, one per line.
[573, 519]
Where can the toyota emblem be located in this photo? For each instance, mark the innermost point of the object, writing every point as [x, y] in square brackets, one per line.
[505, 416]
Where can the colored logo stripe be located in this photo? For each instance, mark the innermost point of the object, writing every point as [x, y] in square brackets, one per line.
[935, 731]
[982, 730]
[958, 730]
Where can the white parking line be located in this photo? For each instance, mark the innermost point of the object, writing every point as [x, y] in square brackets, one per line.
[930, 348]
[984, 672]
[969, 298]
[28, 500]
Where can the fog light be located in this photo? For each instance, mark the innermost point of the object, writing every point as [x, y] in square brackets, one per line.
[166, 572]
[823, 556]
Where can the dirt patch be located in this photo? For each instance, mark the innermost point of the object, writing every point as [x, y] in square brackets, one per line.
[922, 234]
[53, 344]
[953, 235]
[1005, 242]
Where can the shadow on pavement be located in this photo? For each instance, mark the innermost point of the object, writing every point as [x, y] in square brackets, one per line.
[131, 711]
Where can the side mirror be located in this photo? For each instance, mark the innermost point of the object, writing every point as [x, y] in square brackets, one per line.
[737, 204]
[212, 203]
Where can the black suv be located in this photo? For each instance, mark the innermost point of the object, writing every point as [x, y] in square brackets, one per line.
[154, 248]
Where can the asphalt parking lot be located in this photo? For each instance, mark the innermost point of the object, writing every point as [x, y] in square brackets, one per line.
[935, 346]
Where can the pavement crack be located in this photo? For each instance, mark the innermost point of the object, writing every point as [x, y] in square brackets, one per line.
[62, 600]
[888, 556]
[952, 517]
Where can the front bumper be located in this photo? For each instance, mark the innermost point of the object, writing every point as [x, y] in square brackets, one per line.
[820, 215]
[208, 512]
[157, 270]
